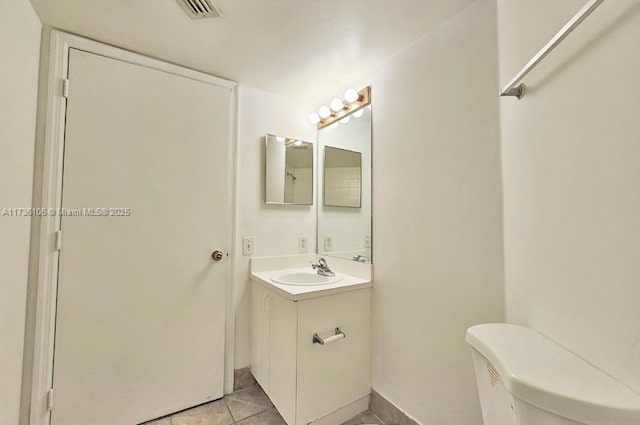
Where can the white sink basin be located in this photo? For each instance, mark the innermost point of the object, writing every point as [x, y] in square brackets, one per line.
[304, 279]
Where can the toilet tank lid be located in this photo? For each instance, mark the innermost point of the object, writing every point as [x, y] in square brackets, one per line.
[542, 373]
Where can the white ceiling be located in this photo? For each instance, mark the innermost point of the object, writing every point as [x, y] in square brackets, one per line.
[304, 49]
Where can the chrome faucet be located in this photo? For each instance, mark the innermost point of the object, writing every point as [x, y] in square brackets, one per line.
[322, 268]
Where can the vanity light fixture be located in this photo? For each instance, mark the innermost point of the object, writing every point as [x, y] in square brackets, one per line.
[340, 110]
[314, 118]
[324, 112]
[351, 95]
[291, 142]
[337, 105]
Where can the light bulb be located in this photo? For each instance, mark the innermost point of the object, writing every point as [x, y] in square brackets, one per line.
[358, 113]
[351, 95]
[336, 105]
[324, 112]
[280, 138]
[297, 142]
[314, 118]
[333, 126]
[345, 120]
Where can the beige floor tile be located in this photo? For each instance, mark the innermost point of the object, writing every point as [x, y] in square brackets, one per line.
[243, 379]
[241, 409]
[214, 413]
[253, 395]
[163, 421]
[269, 417]
[364, 418]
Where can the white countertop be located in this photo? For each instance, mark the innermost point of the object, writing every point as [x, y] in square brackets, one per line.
[349, 282]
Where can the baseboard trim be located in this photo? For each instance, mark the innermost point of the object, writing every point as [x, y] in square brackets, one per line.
[388, 412]
[345, 413]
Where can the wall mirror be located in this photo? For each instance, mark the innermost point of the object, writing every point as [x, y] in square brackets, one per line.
[344, 179]
[289, 171]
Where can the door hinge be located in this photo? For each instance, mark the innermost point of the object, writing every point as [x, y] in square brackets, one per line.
[50, 400]
[65, 88]
[58, 240]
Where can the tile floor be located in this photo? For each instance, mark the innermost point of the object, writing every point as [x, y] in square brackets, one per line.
[247, 406]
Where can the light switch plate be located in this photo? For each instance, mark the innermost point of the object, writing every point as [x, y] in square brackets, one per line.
[328, 243]
[303, 244]
[248, 245]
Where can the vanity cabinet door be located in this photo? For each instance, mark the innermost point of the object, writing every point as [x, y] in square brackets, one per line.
[333, 375]
[260, 334]
[282, 355]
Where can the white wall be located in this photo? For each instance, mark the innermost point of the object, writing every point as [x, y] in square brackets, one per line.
[437, 202]
[20, 49]
[276, 227]
[571, 164]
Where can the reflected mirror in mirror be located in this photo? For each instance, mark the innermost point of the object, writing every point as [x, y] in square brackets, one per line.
[344, 176]
[289, 171]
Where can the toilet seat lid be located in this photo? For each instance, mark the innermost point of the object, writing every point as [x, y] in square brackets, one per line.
[541, 372]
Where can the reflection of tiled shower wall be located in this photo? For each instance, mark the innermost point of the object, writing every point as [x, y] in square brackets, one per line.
[342, 186]
[303, 187]
[300, 191]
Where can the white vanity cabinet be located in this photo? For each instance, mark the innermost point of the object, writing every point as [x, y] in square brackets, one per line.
[273, 359]
[307, 381]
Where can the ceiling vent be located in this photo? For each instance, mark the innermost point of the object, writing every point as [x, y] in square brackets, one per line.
[198, 9]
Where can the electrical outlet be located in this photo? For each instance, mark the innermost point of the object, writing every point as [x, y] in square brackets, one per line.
[248, 245]
[303, 244]
[328, 243]
[367, 241]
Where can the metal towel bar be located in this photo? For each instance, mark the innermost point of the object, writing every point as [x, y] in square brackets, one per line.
[333, 338]
[513, 88]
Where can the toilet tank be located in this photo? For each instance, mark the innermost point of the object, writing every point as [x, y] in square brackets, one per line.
[498, 404]
[524, 378]
[500, 407]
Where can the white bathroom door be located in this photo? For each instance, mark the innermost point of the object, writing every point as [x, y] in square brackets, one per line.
[140, 319]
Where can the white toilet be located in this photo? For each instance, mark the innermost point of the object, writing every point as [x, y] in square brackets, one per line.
[524, 378]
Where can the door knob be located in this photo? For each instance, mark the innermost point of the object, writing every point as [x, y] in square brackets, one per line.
[217, 255]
